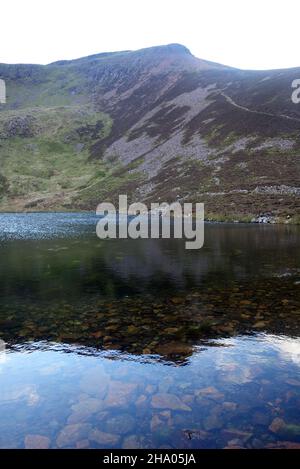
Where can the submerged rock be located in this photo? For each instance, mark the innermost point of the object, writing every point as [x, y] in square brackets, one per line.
[132, 442]
[173, 348]
[103, 438]
[229, 406]
[121, 424]
[120, 394]
[168, 401]
[177, 300]
[276, 425]
[233, 433]
[37, 442]
[83, 444]
[293, 382]
[283, 445]
[141, 401]
[210, 393]
[84, 409]
[260, 325]
[70, 434]
[283, 429]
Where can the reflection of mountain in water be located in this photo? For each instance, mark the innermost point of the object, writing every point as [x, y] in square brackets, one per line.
[75, 268]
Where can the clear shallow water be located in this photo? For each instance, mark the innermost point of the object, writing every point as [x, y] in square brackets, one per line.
[144, 344]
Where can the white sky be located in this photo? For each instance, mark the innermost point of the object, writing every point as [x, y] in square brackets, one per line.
[258, 34]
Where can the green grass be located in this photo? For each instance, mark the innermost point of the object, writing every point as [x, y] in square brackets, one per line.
[48, 88]
[54, 164]
[50, 162]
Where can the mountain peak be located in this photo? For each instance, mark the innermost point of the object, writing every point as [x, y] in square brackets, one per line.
[173, 48]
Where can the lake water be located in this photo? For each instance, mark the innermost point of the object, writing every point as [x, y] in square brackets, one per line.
[143, 344]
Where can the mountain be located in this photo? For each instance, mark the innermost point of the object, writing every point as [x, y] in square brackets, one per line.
[158, 124]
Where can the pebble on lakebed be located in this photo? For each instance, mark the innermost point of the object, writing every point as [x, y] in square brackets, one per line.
[37, 442]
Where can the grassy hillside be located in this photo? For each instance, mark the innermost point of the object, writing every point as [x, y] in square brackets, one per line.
[45, 156]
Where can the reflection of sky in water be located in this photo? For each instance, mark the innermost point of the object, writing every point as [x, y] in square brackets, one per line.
[288, 348]
[249, 374]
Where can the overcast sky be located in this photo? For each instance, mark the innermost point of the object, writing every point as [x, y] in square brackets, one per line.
[256, 34]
